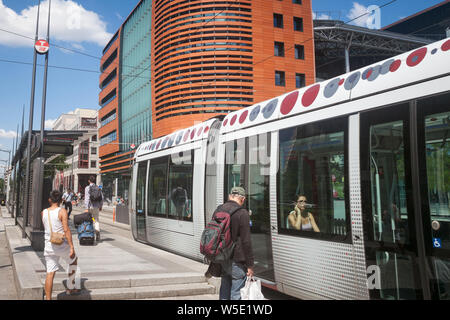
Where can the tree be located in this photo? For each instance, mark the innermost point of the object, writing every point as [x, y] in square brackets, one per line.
[59, 163]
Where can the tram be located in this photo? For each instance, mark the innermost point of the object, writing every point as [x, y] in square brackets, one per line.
[370, 152]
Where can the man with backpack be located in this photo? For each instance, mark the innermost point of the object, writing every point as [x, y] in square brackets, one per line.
[233, 246]
[179, 197]
[93, 201]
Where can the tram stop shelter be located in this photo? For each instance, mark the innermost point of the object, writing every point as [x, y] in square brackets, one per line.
[36, 195]
[341, 48]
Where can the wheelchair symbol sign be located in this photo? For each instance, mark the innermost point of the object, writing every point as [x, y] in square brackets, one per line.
[437, 243]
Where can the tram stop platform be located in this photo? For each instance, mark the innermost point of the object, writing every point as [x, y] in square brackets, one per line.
[117, 267]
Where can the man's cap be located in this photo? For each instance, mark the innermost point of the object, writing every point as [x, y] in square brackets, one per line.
[238, 191]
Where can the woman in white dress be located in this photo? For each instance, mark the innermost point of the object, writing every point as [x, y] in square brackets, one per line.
[53, 252]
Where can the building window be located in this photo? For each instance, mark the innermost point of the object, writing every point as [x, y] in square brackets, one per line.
[299, 52]
[298, 24]
[279, 49]
[297, 1]
[108, 138]
[280, 78]
[277, 20]
[299, 80]
[93, 164]
[93, 150]
[108, 118]
[94, 138]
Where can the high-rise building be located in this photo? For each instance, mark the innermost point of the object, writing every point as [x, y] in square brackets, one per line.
[84, 160]
[213, 57]
[204, 59]
[431, 23]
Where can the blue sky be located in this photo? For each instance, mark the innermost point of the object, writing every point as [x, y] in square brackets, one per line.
[100, 19]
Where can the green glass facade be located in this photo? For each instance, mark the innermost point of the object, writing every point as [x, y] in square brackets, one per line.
[135, 94]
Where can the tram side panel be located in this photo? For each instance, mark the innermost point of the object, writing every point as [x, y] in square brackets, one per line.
[179, 234]
[307, 266]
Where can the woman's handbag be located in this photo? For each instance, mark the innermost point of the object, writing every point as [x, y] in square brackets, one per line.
[55, 237]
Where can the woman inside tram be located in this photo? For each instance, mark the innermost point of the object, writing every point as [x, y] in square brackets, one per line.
[300, 218]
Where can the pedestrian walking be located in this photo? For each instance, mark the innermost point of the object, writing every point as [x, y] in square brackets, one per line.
[68, 197]
[93, 201]
[240, 266]
[58, 243]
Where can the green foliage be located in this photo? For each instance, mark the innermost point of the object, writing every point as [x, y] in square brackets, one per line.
[56, 164]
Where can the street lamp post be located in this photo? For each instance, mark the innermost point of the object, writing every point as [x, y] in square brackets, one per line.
[30, 133]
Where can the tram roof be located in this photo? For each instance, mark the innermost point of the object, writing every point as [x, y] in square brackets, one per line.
[183, 136]
[413, 66]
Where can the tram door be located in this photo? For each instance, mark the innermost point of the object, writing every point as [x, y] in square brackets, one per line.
[247, 164]
[140, 201]
[405, 176]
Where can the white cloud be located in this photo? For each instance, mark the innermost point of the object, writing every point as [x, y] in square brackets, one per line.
[69, 22]
[356, 11]
[119, 16]
[321, 16]
[7, 134]
[49, 124]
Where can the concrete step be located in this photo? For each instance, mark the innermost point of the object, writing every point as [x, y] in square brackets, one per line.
[128, 281]
[146, 292]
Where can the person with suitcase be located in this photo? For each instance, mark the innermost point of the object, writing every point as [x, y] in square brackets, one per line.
[93, 201]
[85, 228]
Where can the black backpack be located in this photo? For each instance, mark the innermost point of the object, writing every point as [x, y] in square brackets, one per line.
[180, 196]
[95, 194]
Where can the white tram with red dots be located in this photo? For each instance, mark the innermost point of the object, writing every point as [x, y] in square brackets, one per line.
[369, 153]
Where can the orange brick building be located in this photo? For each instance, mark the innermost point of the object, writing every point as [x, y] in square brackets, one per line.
[211, 57]
[208, 58]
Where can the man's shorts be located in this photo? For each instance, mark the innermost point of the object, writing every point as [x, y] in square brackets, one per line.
[52, 261]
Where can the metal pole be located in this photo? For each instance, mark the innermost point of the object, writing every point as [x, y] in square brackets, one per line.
[30, 131]
[44, 93]
[15, 173]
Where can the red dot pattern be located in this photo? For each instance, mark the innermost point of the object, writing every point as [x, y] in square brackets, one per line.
[310, 95]
[416, 57]
[243, 116]
[233, 120]
[289, 102]
[395, 65]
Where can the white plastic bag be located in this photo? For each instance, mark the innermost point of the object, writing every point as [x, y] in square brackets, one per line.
[97, 226]
[252, 290]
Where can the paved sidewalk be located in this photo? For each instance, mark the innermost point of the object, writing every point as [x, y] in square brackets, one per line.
[7, 286]
[117, 262]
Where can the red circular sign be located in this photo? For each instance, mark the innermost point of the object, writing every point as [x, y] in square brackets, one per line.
[41, 46]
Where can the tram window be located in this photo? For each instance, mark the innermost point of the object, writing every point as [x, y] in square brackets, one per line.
[388, 193]
[180, 186]
[157, 190]
[312, 169]
[140, 187]
[437, 147]
[234, 165]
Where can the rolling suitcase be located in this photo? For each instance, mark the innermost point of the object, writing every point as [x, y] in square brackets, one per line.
[86, 233]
